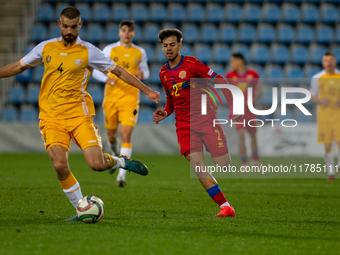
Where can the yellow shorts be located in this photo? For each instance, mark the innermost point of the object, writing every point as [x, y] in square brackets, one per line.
[118, 112]
[328, 131]
[60, 131]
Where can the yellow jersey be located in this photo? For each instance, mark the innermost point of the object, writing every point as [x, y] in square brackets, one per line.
[130, 59]
[63, 87]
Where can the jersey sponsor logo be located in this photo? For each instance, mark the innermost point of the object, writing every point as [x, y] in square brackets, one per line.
[92, 141]
[63, 54]
[126, 55]
[78, 62]
[182, 74]
[48, 59]
[210, 72]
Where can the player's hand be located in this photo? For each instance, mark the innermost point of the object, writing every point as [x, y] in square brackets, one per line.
[158, 116]
[153, 96]
[140, 74]
[324, 101]
[111, 81]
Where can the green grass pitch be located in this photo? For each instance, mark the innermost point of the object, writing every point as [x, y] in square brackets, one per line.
[166, 212]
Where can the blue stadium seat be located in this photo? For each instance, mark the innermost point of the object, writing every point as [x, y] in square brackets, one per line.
[208, 33]
[304, 34]
[82, 32]
[267, 96]
[290, 13]
[310, 70]
[226, 33]
[24, 77]
[194, 13]
[259, 53]
[145, 115]
[9, 114]
[38, 73]
[279, 54]
[316, 52]
[139, 12]
[337, 34]
[270, 13]
[154, 74]
[97, 94]
[336, 51]
[214, 13]
[138, 34]
[273, 74]
[158, 55]
[285, 33]
[95, 33]
[44, 12]
[157, 12]
[329, 13]
[58, 9]
[16, 95]
[186, 50]
[54, 31]
[190, 32]
[246, 33]
[233, 13]
[258, 68]
[149, 50]
[33, 95]
[251, 13]
[111, 33]
[150, 33]
[176, 12]
[202, 52]
[294, 75]
[119, 12]
[309, 13]
[265, 33]
[324, 34]
[298, 54]
[85, 11]
[220, 53]
[100, 12]
[28, 114]
[241, 48]
[39, 33]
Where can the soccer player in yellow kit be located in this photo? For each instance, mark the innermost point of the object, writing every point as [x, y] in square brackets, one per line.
[66, 109]
[121, 100]
[325, 90]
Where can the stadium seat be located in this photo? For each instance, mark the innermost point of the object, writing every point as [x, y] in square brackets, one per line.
[97, 94]
[157, 12]
[336, 51]
[85, 11]
[145, 115]
[58, 9]
[284, 33]
[309, 13]
[329, 13]
[54, 31]
[186, 50]
[100, 12]
[95, 33]
[226, 33]
[233, 13]
[150, 33]
[279, 54]
[294, 75]
[208, 33]
[154, 73]
[337, 34]
[82, 33]
[24, 77]
[267, 96]
[194, 13]
[316, 52]
[304, 34]
[16, 95]
[265, 33]
[138, 32]
[251, 13]
[241, 48]
[273, 74]
[246, 33]
[43, 12]
[9, 114]
[257, 68]
[28, 113]
[259, 53]
[33, 94]
[149, 50]
[213, 13]
[111, 33]
[190, 32]
[38, 73]
[324, 34]
[139, 12]
[270, 13]
[298, 54]
[290, 13]
[202, 52]
[220, 53]
[119, 12]
[39, 33]
[158, 55]
[310, 70]
[175, 13]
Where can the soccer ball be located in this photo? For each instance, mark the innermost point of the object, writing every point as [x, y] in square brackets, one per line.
[90, 209]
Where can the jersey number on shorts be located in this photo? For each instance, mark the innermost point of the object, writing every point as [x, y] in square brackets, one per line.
[60, 68]
[218, 135]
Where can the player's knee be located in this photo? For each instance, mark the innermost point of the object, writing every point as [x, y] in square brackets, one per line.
[60, 167]
[126, 137]
[97, 166]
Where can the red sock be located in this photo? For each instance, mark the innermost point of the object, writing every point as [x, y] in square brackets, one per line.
[219, 198]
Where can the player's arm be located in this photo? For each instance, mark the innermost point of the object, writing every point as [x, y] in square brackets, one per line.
[99, 76]
[258, 92]
[314, 90]
[12, 69]
[160, 115]
[143, 72]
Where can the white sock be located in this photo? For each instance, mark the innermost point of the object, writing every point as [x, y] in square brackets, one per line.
[113, 148]
[329, 159]
[74, 194]
[225, 204]
[120, 162]
[127, 152]
[338, 158]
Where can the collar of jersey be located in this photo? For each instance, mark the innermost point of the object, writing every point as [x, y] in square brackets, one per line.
[180, 62]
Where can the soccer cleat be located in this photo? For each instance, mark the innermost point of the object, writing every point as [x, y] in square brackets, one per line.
[226, 211]
[112, 170]
[121, 183]
[74, 218]
[330, 179]
[134, 166]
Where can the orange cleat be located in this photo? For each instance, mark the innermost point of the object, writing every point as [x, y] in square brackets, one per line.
[226, 211]
[330, 179]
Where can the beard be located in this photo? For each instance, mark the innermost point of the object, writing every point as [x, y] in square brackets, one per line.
[69, 38]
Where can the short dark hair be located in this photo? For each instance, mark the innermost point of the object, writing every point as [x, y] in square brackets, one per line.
[130, 23]
[329, 53]
[238, 56]
[167, 32]
[71, 13]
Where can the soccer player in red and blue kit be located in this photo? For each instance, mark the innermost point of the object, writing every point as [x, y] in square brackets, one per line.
[244, 78]
[193, 129]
